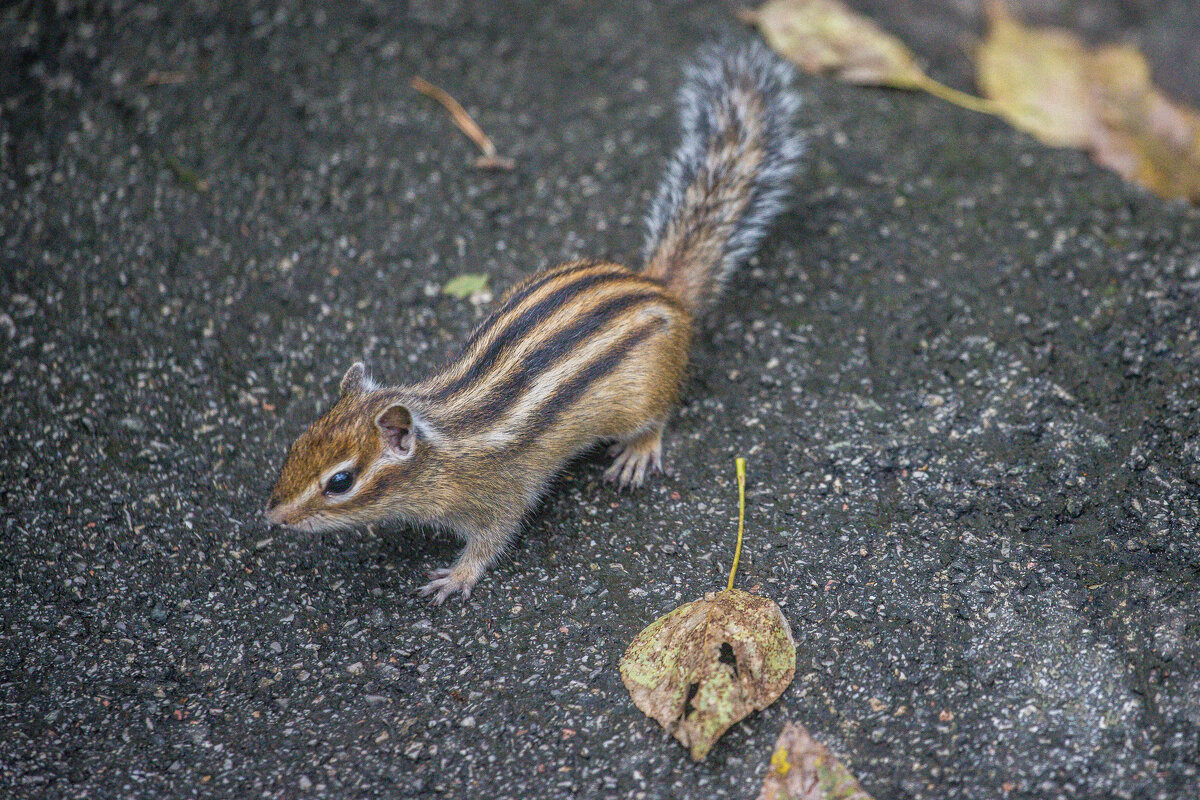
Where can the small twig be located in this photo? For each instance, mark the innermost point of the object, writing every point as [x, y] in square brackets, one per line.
[737, 553]
[490, 158]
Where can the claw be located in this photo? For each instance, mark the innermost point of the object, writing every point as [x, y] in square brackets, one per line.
[633, 460]
[444, 584]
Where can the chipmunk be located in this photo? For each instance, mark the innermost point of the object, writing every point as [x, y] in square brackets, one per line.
[588, 351]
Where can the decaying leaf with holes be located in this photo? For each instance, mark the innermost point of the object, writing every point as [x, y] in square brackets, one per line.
[803, 769]
[709, 663]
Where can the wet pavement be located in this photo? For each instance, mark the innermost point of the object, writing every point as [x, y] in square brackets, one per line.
[964, 370]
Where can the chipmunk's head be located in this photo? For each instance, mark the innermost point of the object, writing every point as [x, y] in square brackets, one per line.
[352, 465]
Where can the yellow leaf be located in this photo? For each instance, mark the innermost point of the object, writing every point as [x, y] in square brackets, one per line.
[824, 36]
[1038, 79]
[1049, 83]
[811, 773]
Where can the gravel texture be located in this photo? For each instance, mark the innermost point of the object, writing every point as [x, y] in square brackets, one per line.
[964, 371]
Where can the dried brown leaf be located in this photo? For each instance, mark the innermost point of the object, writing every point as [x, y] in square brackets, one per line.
[803, 769]
[709, 663]
[825, 36]
[1048, 83]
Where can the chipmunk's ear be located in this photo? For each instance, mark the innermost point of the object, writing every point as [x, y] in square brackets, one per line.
[355, 378]
[396, 428]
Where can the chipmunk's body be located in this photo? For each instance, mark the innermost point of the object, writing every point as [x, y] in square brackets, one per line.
[588, 351]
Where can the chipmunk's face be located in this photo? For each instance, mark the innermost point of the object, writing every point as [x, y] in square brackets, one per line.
[345, 469]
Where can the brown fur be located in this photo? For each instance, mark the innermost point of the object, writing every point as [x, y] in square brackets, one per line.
[611, 346]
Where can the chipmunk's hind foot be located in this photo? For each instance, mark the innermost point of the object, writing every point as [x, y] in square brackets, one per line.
[635, 457]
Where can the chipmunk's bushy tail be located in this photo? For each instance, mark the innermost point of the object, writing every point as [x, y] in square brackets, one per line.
[728, 179]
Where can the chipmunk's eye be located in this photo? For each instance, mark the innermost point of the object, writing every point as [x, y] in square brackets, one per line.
[339, 483]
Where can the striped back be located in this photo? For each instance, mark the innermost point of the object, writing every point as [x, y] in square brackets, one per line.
[551, 338]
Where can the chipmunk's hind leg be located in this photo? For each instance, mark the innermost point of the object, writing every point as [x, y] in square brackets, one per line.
[637, 455]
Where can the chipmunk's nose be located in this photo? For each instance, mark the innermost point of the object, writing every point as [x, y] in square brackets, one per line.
[272, 513]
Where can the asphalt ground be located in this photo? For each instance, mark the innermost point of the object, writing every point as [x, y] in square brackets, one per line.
[963, 370]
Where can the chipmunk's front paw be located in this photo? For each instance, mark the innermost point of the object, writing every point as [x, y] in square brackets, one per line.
[481, 550]
[449, 581]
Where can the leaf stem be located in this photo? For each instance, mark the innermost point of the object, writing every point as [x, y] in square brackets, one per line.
[960, 99]
[737, 552]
